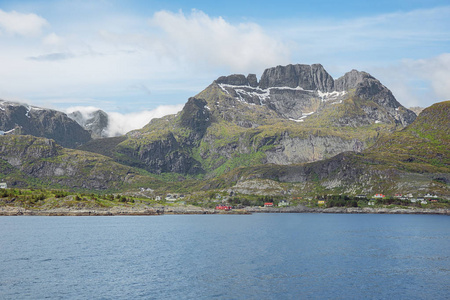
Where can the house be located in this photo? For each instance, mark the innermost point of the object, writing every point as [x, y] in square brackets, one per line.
[398, 196]
[423, 202]
[283, 203]
[158, 198]
[171, 197]
[223, 207]
[3, 185]
[268, 204]
[430, 196]
[379, 196]
[321, 202]
[371, 203]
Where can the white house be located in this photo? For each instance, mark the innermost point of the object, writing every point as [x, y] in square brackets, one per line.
[3, 185]
[283, 203]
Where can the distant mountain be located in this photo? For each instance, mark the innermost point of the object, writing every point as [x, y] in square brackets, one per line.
[17, 118]
[416, 109]
[294, 114]
[95, 122]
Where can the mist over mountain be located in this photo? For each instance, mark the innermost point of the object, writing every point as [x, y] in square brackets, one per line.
[111, 124]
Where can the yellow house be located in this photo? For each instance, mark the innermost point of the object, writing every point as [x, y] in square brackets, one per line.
[321, 202]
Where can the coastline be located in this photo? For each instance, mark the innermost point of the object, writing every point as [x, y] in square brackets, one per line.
[187, 210]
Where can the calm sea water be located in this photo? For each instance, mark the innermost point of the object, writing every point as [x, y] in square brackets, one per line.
[260, 256]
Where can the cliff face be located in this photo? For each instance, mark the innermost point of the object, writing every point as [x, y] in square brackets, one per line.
[24, 119]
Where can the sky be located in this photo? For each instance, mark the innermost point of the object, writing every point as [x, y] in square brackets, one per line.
[144, 59]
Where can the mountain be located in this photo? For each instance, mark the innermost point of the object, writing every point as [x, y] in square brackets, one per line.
[95, 122]
[416, 109]
[294, 114]
[27, 161]
[295, 131]
[16, 118]
[413, 160]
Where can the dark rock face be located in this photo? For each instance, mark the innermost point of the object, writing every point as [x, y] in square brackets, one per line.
[96, 122]
[236, 79]
[252, 80]
[162, 156]
[196, 116]
[308, 77]
[350, 80]
[41, 122]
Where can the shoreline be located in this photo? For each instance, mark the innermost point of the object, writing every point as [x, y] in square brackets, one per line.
[189, 210]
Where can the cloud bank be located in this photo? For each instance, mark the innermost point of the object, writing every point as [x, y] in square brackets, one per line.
[120, 123]
[216, 42]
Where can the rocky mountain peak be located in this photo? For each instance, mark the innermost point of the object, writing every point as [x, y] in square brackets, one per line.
[350, 80]
[196, 116]
[95, 122]
[307, 77]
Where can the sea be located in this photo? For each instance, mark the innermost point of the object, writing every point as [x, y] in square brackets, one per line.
[259, 256]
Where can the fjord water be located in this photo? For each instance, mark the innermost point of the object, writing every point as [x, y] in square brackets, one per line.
[260, 256]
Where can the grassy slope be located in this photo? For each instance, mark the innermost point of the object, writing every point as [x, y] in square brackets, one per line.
[41, 163]
[424, 146]
[419, 155]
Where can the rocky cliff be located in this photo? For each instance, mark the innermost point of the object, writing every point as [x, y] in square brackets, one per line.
[16, 118]
[95, 122]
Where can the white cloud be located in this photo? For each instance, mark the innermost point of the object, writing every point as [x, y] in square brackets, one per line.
[129, 59]
[215, 42]
[120, 123]
[52, 39]
[437, 71]
[418, 82]
[15, 23]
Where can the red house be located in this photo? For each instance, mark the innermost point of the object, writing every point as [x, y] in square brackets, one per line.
[223, 207]
[268, 204]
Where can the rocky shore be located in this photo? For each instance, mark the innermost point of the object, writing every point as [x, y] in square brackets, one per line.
[348, 210]
[185, 210]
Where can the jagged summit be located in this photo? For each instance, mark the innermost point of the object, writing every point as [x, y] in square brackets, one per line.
[96, 122]
[295, 92]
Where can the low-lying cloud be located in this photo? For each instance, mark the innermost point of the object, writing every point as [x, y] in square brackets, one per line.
[119, 123]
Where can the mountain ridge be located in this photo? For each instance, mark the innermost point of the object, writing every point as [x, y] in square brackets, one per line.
[295, 126]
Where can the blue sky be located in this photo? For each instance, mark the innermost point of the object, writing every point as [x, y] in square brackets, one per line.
[138, 56]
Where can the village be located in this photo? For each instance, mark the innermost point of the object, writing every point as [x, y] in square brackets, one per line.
[230, 200]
